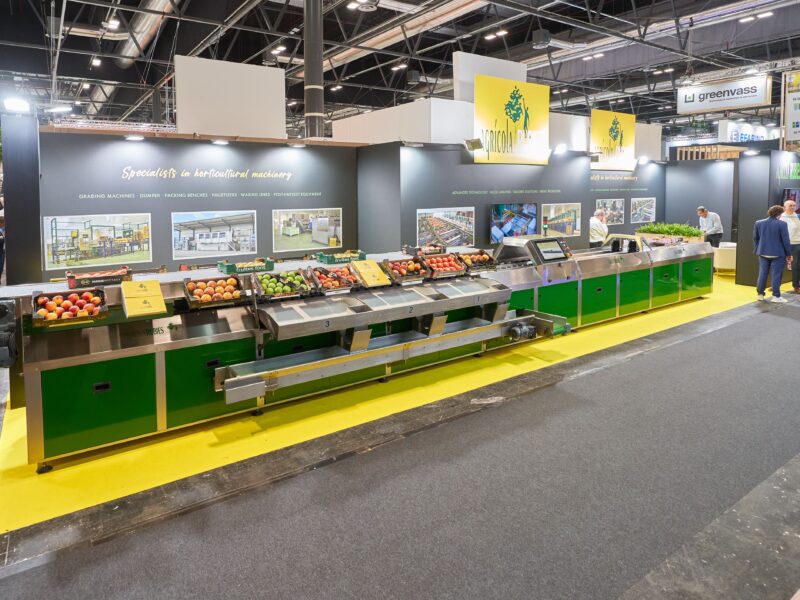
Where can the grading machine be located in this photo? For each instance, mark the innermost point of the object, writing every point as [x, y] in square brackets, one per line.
[113, 377]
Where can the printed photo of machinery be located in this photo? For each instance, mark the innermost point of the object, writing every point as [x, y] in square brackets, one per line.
[446, 226]
[512, 220]
[306, 229]
[614, 209]
[207, 234]
[562, 219]
[643, 210]
[92, 240]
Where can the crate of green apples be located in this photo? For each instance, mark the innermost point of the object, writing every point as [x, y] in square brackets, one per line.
[285, 285]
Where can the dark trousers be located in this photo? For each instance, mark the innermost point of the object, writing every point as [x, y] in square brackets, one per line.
[714, 239]
[775, 266]
[595, 244]
[795, 266]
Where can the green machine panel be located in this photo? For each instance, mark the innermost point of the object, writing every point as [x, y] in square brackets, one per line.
[696, 278]
[634, 291]
[190, 380]
[598, 299]
[560, 299]
[98, 403]
[521, 299]
[666, 284]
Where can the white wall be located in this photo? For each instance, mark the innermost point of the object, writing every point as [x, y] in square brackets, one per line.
[224, 98]
[648, 141]
[466, 66]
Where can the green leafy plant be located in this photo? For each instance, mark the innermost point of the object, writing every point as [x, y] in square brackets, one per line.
[670, 229]
[514, 105]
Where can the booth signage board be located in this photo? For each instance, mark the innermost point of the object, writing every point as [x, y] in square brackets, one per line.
[791, 111]
[725, 95]
[613, 136]
[512, 121]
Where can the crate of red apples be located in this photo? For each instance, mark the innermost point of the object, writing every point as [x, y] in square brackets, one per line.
[335, 280]
[74, 306]
[406, 271]
[445, 265]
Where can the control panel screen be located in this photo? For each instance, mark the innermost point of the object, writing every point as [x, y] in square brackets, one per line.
[551, 250]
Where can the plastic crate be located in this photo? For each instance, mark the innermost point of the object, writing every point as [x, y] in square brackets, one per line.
[296, 289]
[86, 280]
[195, 302]
[399, 278]
[38, 320]
[341, 257]
[255, 266]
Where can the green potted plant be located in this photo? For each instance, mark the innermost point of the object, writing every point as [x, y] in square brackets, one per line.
[665, 233]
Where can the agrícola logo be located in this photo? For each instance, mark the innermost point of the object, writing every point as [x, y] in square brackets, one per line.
[501, 140]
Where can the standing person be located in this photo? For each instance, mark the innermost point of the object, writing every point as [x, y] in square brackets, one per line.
[711, 225]
[598, 230]
[790, 217]
[771, 237]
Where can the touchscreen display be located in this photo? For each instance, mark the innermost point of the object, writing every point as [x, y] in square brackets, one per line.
[551, 250]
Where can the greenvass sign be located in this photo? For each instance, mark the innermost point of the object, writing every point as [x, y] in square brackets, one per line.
[725, 95]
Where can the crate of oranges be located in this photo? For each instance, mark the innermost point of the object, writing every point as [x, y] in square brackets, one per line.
[407, 271]
[444, 265]
[205, 293]
[476, 261]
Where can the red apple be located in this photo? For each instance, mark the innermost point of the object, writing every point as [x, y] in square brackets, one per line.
[67, 315]
[58, 300]
[66, 304]
[74, 310]
[73, 298]
[59, 311]
[80, 303]
[96, 310]
[51, 306]
[42, 300]
[86, 296]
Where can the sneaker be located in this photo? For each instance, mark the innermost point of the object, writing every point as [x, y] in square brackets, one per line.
[778, 300]
[761, 298]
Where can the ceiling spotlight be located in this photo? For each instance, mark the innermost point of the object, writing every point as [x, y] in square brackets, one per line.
[220, 142]
[18, 105]
[747, 19]
[277, 50]
[134, 138]
[86, 86]
[751, 71]
[669, 70]
[96, 62]
[658, 72]
[489, 36]
[501, 32]
[598, 55]
[473, 144]
[764, 15]
[58, 108]
[560, 149]
[336, 88]
[78, 102]
[587, 58]
[112, 24]
[352, 6]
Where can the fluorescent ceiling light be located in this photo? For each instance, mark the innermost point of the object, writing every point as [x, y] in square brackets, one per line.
[113, 24]
[764, 15]
[560, 149]
[770, 124]
[78, 102]
[297, 145]
[19, 105]
[747, 19]
[643, 160]
[489, 36]
[669, 70]
[352, 6]
[134, 138]
[740, 120]
[501, 32]
[658, 72]
[587, 58]
[558, 91]
[715, 123]
[292, 103]
[598, 55]
[751, 71]
[667, 106]
[336, 88]
[58, 108]
[751, 152]
[399, 66]
[86, 86]
[275, 52]
[96, 62]
[220, 142]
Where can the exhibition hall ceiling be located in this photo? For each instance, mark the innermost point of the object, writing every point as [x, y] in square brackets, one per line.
[625, 54]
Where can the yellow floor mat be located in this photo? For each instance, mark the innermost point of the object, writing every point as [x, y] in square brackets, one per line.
[27, 498]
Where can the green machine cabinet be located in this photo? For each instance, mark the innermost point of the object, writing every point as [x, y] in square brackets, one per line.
[93, 404]
[666, 284]
[521, 299]
[560, 299]
[190, 380]
[634, 291]
[598, 299]
[697, 278]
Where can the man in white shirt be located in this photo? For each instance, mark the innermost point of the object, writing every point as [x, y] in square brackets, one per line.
[790, 216]
[711, 225]
[598, 230]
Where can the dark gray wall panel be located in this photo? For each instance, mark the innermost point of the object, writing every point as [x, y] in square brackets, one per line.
[21, 189]
[754, 200]
[645, 182]
[77, 170]
[700, 182]
[379, 198]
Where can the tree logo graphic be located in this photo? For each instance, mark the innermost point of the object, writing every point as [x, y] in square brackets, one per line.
[515, 109]
[615, 132]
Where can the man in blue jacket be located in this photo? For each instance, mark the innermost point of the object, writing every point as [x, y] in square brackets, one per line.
[771, 237]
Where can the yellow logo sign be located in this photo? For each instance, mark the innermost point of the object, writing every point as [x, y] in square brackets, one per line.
[512, 121]
[614, 139]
